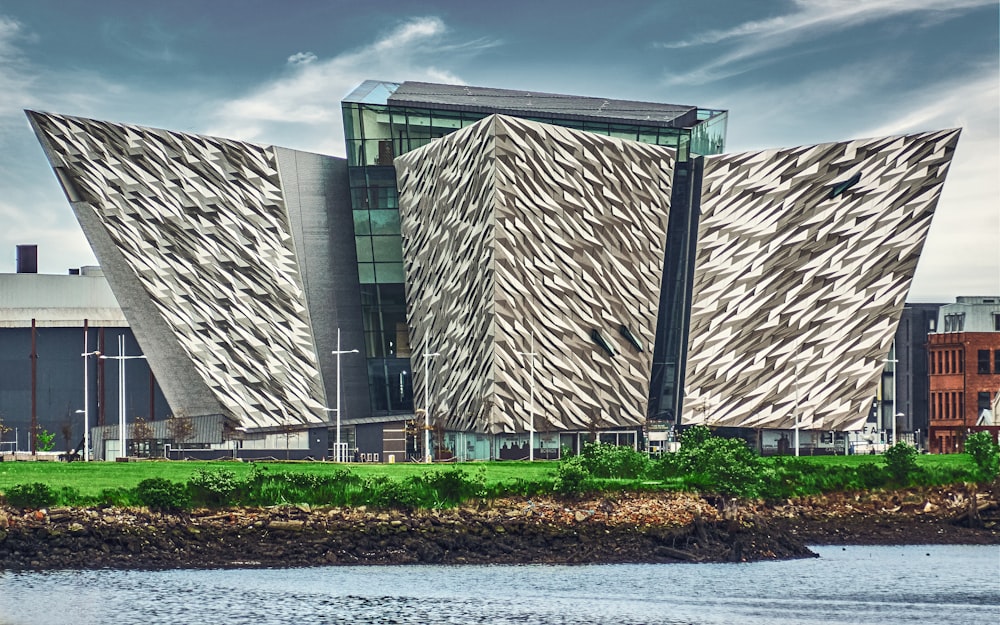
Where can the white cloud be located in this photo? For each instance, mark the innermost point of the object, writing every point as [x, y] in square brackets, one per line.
[301, 109]
[302, 58]
[753, 40]
[962, 253]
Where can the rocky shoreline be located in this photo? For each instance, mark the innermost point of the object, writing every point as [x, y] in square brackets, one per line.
[652, 528]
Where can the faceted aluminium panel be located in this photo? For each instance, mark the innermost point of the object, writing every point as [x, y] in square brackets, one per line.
[805, 257]
[515, 234]
[195, 239]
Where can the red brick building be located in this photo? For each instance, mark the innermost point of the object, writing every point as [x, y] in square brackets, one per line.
[964, 369]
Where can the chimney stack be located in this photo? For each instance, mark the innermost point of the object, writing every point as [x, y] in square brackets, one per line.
[27, 259]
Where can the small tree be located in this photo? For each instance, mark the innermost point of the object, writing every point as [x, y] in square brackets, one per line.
[3, 429]
[181, 428]
[142, 436]
[901, 462]
[45, 440]
[985, 453]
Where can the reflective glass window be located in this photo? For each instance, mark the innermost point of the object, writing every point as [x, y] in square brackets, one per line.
[361, 226]
[366, 273]
[448, 120]
[389, 272]
[624, 132]
[388, 249]
[384, 221]
[364, 246]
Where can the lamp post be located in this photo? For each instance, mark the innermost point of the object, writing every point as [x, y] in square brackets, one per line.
[339, 455]
[531, 425]
[121, 357]
[427, 405]
[892, 424]
[86, 398]
[796, 410]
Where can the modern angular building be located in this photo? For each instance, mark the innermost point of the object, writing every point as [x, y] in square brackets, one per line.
[531, 269]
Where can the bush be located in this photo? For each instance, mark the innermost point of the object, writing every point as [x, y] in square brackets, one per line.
[33, 495]
[454, 486]
[985, 454]
[572, 476]
[871, 475]
[214, 488]
[157, 493]
[383, 492]
[901, 462]
[614, 461]
[726, 466]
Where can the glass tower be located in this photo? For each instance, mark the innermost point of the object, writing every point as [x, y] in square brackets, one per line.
[383, 120]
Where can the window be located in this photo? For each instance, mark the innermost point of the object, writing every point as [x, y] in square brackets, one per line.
[996, 322]
[600, 340]
[636, 343]
[983, 362]
[954, 322]
[839, 188]
[983, 402]
[996, 361]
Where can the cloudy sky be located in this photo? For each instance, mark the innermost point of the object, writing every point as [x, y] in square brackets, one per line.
[789, 71]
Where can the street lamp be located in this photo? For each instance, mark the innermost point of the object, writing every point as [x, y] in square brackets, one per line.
[427, 405]
[86, 398]
[339, 454]
[893, 361]
[121, 357]
[531, 427]
[796, 410]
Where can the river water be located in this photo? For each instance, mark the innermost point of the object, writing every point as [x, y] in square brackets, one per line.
[943, 585]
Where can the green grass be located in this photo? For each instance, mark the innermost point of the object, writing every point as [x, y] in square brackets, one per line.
[90, 479]
[93, 477]
[927, 461]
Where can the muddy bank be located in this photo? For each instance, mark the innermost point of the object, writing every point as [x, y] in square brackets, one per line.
[612, 529]
[609, 530]
[963, 514]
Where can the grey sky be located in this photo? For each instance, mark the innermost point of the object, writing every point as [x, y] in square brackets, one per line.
[791, 72]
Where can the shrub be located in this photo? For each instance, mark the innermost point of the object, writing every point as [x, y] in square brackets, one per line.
[614, 461]
[726, 466]
[45, 441]
[985, 454]
[157, 493]
[871, 475]
[901, 462]
[32, 495]
[572, 476]
[120, 497]
[213, 488]
[383, 492]
[455, 485]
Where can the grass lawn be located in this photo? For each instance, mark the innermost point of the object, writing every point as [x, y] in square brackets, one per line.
[89, 479]
[93, 477]
[928, 461]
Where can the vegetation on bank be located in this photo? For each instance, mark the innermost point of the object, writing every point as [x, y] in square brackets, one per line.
[704, 463]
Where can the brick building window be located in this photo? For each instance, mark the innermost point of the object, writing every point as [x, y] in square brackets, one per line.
[954, 322]
[983, 362]
[983, 402]
[996, 361]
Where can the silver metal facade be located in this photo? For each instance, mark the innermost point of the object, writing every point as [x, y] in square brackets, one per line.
[805, 257]
[513, 228]
[199, 246]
